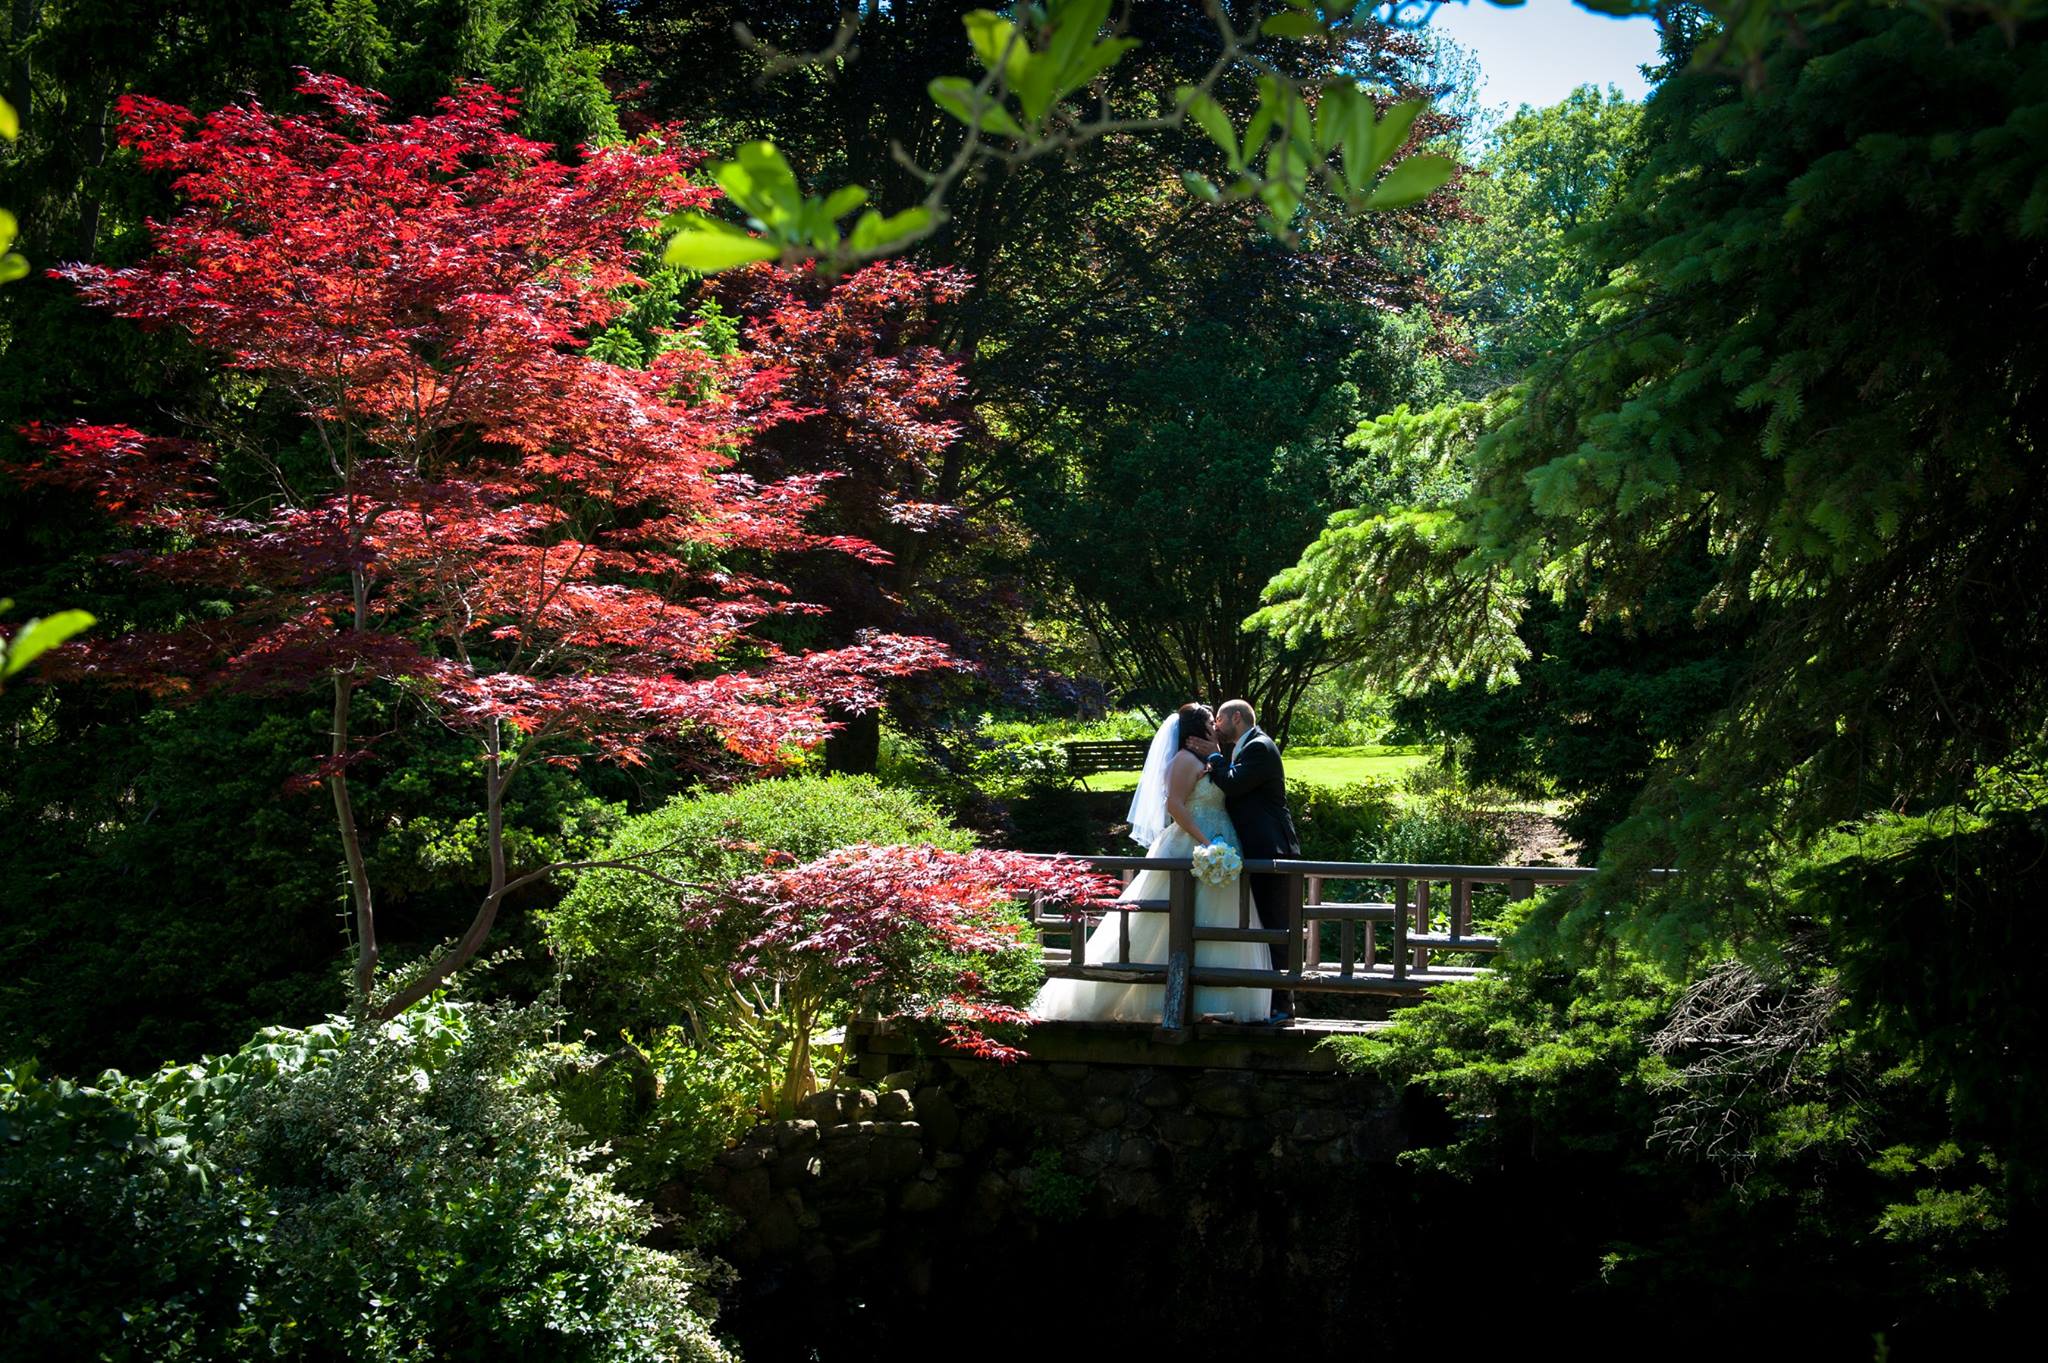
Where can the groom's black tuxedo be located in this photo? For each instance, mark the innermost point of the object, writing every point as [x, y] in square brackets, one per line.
[1254, 790]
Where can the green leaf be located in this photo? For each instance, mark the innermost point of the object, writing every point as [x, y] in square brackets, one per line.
[1098, 59]
[38, 637]
[707, 246]
[990, 32]
[1393, 130]
[1201, 187]
[10, 121]
[842, 201]
[1075, 25]
[12, 267]
[872, 231]
[1036, 89]
[1333, 114]
[760, 181]
[956, 95]
[1290, 26]
[1214, 121]
[1414, 179]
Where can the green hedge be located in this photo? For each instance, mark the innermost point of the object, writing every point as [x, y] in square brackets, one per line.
[397, 1192]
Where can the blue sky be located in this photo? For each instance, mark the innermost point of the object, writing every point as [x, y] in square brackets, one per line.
[1537, 53]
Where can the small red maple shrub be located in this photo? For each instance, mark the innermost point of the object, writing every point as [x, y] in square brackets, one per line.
[895, 931]
[547, 549]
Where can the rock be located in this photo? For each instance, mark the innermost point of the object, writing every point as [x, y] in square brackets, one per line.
[671, 1198]
[1040, 1094]
[941, 1120]
[1106, 1083]
[1180, 1128]
[1137, 1117]
[862, 1106]
[1099, 1149]
[1160, 1090]
[920, 1197]
[822, 1107]
[1130, 1188]
[909, 1131]
[897, 1159]
[899, 1079]
[750, 1192]
[1224, 1095]
[820, 1266]
[797, 1134]
[1135, 1153]
[776, 1228]
[1067, 1071]
[948, 1161]
[793, 1169]
[1333, 1154]
[744, 1157]
[1106, 1112]
[895, 1106]
[1319, 1124]
[845, 1167]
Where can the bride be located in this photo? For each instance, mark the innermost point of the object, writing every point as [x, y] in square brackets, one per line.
[1177, 808]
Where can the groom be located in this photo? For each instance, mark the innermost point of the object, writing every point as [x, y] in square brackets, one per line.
[1245, 765]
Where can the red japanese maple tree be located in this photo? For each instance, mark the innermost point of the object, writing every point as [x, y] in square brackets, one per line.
[895, 930]
[547, 549]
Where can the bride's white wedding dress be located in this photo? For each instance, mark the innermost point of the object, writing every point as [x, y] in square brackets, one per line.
[1215, 906]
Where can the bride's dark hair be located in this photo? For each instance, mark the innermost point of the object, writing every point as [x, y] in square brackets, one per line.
[1196, 722]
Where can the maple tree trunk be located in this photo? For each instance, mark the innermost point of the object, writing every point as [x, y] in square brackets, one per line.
[352, 848]
[472, 939]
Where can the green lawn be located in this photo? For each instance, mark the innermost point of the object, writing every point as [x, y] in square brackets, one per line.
[1316, 766]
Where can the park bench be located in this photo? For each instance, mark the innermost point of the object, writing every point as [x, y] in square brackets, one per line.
[1094, 756]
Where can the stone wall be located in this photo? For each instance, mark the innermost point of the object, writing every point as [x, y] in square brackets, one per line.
[900, 1185]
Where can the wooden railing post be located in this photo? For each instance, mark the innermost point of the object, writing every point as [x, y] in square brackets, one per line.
[1297, 902]
[1178, 1002]
[1401, 929]
[1422, 923]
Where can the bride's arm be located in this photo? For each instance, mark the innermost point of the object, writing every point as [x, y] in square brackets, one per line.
[1180, 783]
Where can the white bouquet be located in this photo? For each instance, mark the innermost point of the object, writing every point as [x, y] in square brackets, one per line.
[1217, 863]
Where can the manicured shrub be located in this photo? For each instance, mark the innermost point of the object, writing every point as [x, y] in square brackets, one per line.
[633, 959]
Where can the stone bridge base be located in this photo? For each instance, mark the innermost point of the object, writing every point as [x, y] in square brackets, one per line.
[1234, 1175]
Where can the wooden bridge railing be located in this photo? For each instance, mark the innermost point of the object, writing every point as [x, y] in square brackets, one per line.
[1380, 947]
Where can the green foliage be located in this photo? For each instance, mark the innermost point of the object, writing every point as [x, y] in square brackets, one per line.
[1040, 57]
[1054, 1194]
[37, 637]
[1166, 562]
[1536, 1056]
[1597, 705]
[631, 958]
[1513, 274]
[402, 1191]
[665, 1106]
[205, 880]
[1336, 822]
[1389, 583]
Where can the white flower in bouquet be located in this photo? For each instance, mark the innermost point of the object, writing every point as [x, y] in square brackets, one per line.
[1217, 863]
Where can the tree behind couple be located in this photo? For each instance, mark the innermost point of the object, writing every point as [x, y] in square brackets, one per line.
[1208, 778]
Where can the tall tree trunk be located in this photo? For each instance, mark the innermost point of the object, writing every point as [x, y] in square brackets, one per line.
[496, 778]
[352, 845]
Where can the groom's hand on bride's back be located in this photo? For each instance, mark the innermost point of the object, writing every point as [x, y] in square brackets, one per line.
[1204, 748]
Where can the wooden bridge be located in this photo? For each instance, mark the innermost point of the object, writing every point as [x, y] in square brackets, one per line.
[1395, 949]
